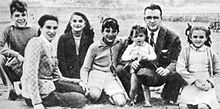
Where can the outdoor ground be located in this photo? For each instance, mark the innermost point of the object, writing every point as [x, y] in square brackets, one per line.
[20, 104]
[126, 18]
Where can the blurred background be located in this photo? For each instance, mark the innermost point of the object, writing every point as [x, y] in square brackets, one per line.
[176, 15]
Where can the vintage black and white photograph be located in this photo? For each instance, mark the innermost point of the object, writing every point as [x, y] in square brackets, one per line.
[107, 54]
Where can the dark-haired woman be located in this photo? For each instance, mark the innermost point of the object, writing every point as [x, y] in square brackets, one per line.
[41, 71]
[73, 45]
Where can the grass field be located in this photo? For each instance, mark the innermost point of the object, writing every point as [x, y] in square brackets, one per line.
[126, 19]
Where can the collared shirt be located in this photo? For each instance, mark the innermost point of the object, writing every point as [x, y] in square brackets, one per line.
[49, 44]
[155, 35]
[201, 49]
[145, 51]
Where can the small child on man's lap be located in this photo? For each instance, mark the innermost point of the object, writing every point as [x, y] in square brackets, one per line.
[134, 53]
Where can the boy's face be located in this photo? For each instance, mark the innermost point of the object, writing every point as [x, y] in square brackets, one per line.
[19, 18]
[139, 38]
[109, 34]
[198, 38]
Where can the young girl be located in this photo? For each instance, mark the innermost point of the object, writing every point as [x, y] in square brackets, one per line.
[138, 51]
[198, 65]
[99, 65]
[73, 45]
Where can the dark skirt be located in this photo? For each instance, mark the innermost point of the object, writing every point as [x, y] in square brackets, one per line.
[65, 95]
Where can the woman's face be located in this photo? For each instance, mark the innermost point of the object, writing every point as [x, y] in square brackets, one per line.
[49, 29]
[19, 18]
[198, 38]
[77, 23]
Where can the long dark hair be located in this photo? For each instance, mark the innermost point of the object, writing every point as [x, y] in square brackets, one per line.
[87, 30]
[190, 29]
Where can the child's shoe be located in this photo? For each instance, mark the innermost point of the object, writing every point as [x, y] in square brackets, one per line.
[147, 104]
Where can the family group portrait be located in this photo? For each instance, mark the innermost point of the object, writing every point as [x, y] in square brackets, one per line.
[107, 54]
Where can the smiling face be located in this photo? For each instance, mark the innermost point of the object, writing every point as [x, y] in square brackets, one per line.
[19, 18]
[152, 19]
[77, 23]
[198, 38]
[49, 29]
[109, 34]
[139, 39]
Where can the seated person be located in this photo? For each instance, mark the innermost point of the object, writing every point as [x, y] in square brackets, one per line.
[41, 71]
[98, 70]
[167, 46]
[15, 36]
[198, 65]
[73, 45]
[139, 50]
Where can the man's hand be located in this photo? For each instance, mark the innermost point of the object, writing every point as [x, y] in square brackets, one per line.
[135, 64]
[39, 106]
[84, 87]
[162, 71]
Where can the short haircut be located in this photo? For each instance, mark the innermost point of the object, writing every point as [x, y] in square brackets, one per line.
[45, 18]
[110, 22]
[17, 5]
[153, 7]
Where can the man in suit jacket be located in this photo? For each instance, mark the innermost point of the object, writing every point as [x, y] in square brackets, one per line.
[167, 46]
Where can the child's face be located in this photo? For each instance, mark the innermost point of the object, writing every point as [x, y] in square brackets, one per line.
[139, 39]
[109, 34]
[19, 18]
[77, 23]
[198, 38]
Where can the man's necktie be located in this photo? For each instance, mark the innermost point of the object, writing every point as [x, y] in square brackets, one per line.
[152, 39]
